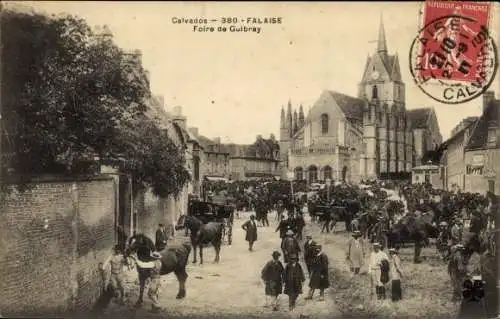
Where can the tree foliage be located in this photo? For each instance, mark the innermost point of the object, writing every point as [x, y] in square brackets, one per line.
[69, 96]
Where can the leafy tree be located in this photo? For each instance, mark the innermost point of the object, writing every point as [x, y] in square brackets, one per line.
[68, 96]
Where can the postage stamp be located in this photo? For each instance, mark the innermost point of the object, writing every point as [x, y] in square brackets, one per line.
[453, 58]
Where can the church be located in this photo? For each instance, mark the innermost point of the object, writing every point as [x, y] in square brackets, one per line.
[356, 138]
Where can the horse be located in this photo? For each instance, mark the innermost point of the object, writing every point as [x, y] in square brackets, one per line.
[202, 234]
[174, 259]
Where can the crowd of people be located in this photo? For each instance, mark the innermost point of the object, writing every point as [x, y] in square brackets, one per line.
[461, 223]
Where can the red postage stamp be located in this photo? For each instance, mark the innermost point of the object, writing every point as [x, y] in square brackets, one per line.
[453, 59]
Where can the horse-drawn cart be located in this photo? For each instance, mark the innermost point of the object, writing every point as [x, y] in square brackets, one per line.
[213, 212]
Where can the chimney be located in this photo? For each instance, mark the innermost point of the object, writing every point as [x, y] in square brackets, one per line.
[161, 100]
[194, 131]
[488, 97]
[178, 118]
[216, 140]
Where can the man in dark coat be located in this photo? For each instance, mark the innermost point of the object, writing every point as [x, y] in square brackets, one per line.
[272, 274]
[283, 226]
[294, 279]
[319, 274]
[309, 252]
[250, 227]
[299, 224]
[161, 238]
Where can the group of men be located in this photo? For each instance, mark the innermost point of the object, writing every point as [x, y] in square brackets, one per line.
[292, 277]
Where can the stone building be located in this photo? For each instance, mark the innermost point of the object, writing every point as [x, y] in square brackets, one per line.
[472, 154]
[453, 154]
[426, 133]
[353, 138]
[216, 158]
[482, 152]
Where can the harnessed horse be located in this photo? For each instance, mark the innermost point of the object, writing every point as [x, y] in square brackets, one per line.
[202, 234]
[174, 259]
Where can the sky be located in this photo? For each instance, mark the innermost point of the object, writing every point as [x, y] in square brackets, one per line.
[233, 85]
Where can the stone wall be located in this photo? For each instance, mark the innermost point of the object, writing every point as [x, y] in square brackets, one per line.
[52, 238]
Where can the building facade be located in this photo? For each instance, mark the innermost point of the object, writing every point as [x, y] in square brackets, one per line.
[482, 152]
[472, 154]
[352, 138]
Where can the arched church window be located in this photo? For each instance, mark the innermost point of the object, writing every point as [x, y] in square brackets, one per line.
[324, 123]
[374, 92]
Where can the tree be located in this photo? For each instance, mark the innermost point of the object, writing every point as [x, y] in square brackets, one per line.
[69, 96]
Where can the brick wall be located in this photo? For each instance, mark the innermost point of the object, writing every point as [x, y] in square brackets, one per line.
[52, 239]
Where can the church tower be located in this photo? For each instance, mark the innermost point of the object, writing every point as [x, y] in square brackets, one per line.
[301, 116]
[286, 127]
[382, 87]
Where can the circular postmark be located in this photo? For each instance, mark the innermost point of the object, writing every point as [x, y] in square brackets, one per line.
[453, 59]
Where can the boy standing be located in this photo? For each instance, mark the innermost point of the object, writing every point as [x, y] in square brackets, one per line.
[396, 274]
[116, 261]
[294, 278]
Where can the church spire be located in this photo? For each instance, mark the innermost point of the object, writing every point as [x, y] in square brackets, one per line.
[301, 116]
[295, 122]
[381, 43]
[283, 122]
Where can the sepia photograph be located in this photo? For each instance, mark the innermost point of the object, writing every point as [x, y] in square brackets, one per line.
[249, 159]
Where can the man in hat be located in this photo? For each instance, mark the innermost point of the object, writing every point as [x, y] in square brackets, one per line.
[155, 283]
[290, 245]
[161, 238]
[250, 227]
[443, 239]
[299, 224]
[309, 252]
[395, 274]
[283, 225]
[319, 274]
[456, 232]
[457, 269]
[272, 275]
[355, 252]
[375, 270]
[294, 279]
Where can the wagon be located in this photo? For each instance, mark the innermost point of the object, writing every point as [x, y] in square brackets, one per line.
[213, 212]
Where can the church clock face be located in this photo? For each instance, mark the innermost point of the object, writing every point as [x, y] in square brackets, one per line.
[375, 75]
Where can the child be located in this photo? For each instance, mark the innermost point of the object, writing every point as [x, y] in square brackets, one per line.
[272, 274]
[396, 274]
[116, 261]
[294, 278]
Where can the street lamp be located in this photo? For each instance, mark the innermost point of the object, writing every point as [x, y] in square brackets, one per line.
[328, 183]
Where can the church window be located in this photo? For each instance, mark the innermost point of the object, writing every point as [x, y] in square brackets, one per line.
[374, 92]
[299, 173]
[324, 123]
[327, 173]
[313, 174]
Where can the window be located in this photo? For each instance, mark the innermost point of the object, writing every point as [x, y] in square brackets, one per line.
[299, 173]
[327, 173]
[474, 170]
[324, 123]
[374, 92]
[313, 174]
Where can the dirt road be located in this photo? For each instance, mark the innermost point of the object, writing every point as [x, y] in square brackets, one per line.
[230, 288]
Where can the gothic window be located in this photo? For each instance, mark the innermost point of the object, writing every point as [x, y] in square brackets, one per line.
[324, 123]
[374, 92]
[299, 173]
[327, 173]
[313, 174]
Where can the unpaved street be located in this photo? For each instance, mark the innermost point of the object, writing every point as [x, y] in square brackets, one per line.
[231, 287]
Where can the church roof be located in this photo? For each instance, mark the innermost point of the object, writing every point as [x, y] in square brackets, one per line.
[479, 135]
[419, 117]
[351, 107]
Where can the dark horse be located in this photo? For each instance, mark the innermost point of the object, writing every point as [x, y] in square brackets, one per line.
[174, 259]
[202, 234]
